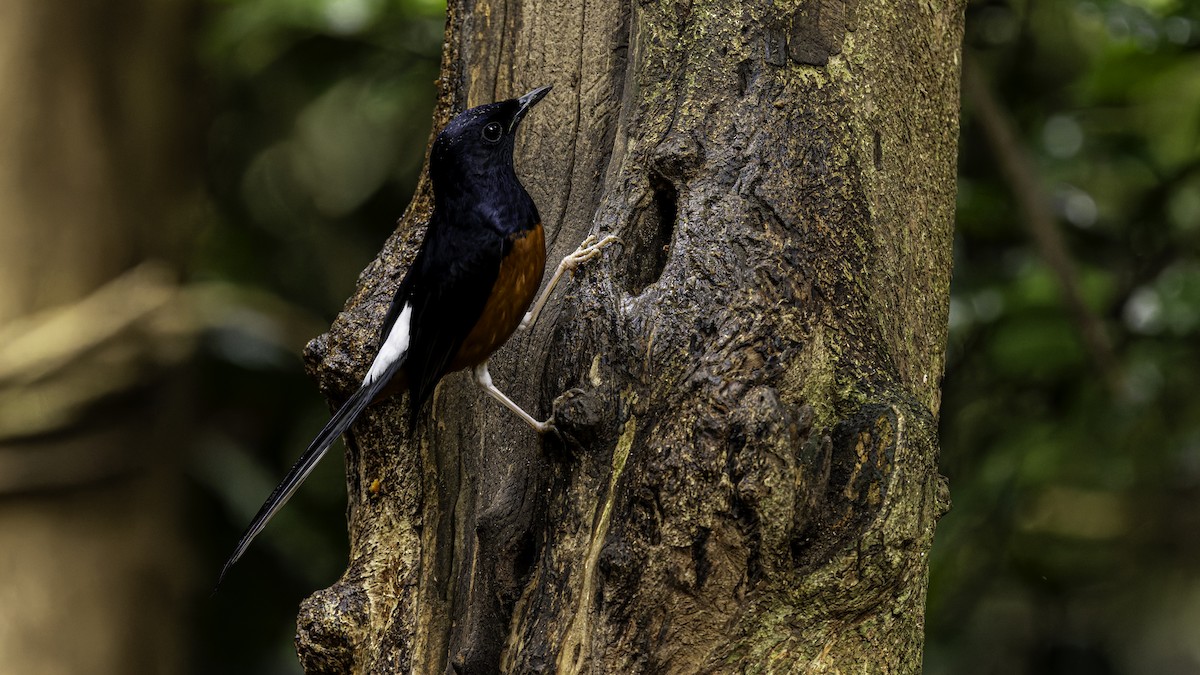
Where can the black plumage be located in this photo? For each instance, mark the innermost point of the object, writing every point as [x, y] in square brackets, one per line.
[459, 287]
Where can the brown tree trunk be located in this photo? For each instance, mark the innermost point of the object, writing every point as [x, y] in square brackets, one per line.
[746, 477]
[92, 111]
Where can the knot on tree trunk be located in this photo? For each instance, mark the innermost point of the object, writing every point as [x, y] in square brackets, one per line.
[330, 624]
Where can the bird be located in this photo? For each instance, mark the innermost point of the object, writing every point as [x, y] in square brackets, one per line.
[469, 288]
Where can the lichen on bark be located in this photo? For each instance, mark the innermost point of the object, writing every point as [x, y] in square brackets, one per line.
[745, 478]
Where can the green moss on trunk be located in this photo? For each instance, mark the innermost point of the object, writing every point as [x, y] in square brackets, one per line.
[747, 475]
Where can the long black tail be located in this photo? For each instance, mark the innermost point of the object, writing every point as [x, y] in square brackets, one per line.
[337, 425]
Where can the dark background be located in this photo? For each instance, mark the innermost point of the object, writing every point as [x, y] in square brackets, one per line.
[1070, 419]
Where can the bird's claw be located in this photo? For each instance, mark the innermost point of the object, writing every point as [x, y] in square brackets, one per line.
[589, 248]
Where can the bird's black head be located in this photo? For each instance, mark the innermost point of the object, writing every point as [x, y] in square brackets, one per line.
[479, 141]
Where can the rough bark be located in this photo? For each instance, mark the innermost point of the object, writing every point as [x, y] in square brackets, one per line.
[746, 476]
[93, 109]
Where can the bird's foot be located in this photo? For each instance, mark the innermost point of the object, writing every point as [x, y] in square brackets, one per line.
[589, 248]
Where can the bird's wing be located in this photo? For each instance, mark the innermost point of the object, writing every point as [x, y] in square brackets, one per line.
[389, 359]
[435, 308]
[452, 291]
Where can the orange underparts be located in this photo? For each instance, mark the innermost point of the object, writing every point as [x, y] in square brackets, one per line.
[516, 285]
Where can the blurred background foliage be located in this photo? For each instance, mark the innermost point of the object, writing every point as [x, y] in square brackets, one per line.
[319, 116]
[1074, 465]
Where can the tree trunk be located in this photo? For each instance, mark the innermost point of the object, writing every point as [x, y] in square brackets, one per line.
[746, 473]
[94, 164]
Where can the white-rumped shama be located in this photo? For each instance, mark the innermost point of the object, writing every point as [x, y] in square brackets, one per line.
[468, 289]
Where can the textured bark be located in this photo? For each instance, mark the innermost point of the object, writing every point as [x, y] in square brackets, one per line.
[746, 475]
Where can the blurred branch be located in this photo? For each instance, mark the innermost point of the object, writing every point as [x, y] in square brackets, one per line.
[1018, 169]
[57, 362]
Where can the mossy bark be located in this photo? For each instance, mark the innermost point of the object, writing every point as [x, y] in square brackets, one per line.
[745, 478]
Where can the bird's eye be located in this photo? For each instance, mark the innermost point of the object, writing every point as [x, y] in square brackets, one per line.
[492, 132]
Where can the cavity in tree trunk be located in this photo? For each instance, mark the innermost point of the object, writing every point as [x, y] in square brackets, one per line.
[746, 474]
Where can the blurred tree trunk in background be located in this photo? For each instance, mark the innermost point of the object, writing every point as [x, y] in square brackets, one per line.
[96, 156]
[747, 473]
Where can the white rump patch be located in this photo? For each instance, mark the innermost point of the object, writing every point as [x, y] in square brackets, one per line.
[393, 348]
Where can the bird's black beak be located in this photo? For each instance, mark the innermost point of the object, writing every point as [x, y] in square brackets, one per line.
[526, 102]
